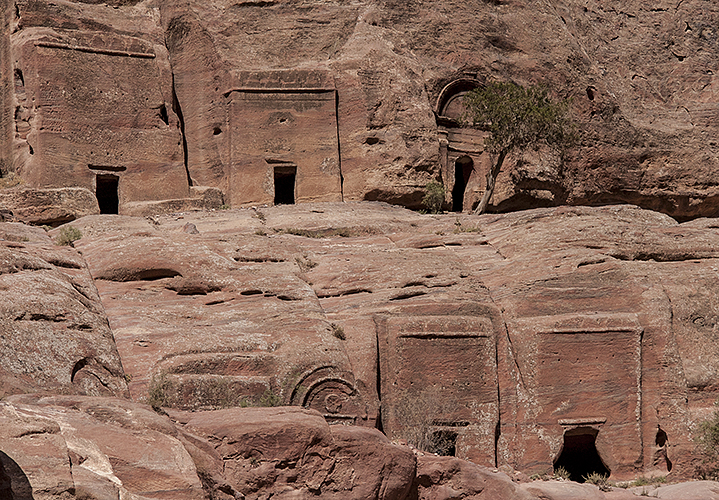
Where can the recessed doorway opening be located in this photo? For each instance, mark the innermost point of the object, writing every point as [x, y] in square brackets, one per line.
[285, 178]
[579, 456]
[462, 170]
[106, 191]
[444, 443]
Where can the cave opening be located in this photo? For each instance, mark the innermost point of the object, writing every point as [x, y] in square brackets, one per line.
[462, 170]
[106, 191]
[579, 456]
[285, 177]
[444, 443]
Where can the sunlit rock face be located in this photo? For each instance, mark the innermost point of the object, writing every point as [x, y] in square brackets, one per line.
[276, 102]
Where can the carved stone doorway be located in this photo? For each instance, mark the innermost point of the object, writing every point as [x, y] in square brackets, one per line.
[106, 191]
[579, 456]
[463, 167]
[285, 177]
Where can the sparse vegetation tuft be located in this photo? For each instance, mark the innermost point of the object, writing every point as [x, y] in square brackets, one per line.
[417, 415]
[342, 232]
[305, 263]
[433, 197]
[10, 180]
[68, 236]
[338, 331]
[561, 473]
[599, 480]
[269, 398]
[707, 442]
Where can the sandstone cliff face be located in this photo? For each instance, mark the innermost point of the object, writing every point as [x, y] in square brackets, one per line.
[54, 334]
[579, 337]
[516, 339]
[274, 102]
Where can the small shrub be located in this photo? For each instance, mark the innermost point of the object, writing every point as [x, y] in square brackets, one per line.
[224, 207]
[305, 263]
[561, 473]
[68, 235]
[10, 180]
[260, 232]
[459, 228]
[157, 393]
[646, 481]
[433, 197]
[707, 442]
[417, 413]
[599, 480]
[338, 331]
[269, 398]
[261, 216]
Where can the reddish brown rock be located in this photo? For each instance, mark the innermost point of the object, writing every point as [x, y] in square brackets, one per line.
[271, 102]
[557, 336]
[93, 103]
[54, 334]
[291, 451]
[440, 478]
[209, 323]
[81, 447]
[517, 339]
[48, 206]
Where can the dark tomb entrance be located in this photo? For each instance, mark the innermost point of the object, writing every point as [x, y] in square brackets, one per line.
[285, 185]
[579, 455]
[443, 443]
[106, 192]
[462, 170]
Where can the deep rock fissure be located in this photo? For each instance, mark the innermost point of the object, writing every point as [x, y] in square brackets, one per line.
[177, 109]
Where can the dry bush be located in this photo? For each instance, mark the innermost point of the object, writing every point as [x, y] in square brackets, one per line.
[417, 415]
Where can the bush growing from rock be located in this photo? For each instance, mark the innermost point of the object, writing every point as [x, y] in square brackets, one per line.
[707, 440]
[516, 117]
[68, 235]
[433, 197]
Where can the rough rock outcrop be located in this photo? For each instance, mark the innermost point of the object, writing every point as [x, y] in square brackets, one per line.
[562, 336]
[267, 452]
[66, 447]
[572, 336]
[54, 334]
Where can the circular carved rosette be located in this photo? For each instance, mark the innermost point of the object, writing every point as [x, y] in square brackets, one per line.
[332, 393]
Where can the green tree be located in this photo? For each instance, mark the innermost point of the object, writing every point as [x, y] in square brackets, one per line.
[516, 117]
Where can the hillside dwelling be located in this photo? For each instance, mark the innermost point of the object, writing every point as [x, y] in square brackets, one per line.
[463, 161]
[283, 141]
[91, 112]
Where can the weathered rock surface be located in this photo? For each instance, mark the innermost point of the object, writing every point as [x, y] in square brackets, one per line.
[83, 447]
[441, 478]
[578, 337]
[274, 102]
[292, 452]
[570, 336]
[54, 334]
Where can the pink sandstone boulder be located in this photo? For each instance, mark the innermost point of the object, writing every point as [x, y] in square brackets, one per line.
[54, 334]
[292, 452]
[442, 478]
[65, 447]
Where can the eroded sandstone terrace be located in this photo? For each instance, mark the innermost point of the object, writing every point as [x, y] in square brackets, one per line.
[574, 336]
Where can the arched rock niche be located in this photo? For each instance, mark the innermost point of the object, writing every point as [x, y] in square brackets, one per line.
[463, 160]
